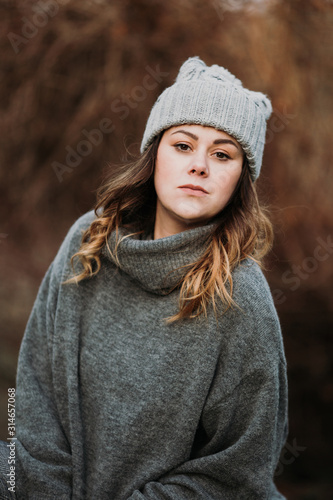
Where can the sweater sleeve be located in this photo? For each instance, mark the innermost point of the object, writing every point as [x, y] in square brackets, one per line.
[243, 425]
[44, 459]
[43, 450]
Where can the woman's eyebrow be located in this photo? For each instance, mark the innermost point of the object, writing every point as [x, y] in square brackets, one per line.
[195, 137]
[217, 141]
[226, 141]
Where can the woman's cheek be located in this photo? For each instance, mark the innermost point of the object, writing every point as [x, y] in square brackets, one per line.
[225, 177]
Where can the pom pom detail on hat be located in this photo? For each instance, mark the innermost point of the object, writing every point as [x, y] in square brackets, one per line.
[212, 96]
[195, 68]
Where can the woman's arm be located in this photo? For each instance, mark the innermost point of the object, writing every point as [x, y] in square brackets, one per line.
[44, 455]
[44, 426]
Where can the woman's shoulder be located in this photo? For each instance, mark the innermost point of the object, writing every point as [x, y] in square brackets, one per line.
[255, 317]
[81, 224]
[73, 238]
[72, 242]
[250, 284]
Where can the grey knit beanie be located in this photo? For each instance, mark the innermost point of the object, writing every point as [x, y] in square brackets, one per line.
[212, 96]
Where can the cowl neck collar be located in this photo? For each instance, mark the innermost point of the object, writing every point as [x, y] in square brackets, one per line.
[158, 265]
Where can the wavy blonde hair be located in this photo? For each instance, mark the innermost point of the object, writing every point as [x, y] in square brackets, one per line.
[128, 199]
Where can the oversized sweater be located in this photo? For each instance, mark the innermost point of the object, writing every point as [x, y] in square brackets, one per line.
[114, 403]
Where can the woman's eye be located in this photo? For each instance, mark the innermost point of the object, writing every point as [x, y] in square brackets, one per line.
[222, 156]
[182, 146]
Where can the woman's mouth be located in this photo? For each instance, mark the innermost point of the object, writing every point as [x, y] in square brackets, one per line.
[193, 190]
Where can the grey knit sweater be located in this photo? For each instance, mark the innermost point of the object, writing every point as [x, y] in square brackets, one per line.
[113, 403]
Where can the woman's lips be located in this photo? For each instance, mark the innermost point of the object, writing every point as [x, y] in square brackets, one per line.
[193, 190]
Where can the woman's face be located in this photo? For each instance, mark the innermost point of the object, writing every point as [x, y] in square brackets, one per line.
[197, 169]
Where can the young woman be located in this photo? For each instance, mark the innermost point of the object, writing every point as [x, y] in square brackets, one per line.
[153, 367]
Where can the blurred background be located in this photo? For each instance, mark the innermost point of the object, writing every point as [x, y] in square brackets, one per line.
[78, 78]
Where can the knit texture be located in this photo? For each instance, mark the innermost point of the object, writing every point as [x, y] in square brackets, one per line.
[212, 96]
[113, 403]
[5, 493]
[168, 258]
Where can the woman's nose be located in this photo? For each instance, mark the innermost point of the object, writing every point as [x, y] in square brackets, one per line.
[198, 166]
